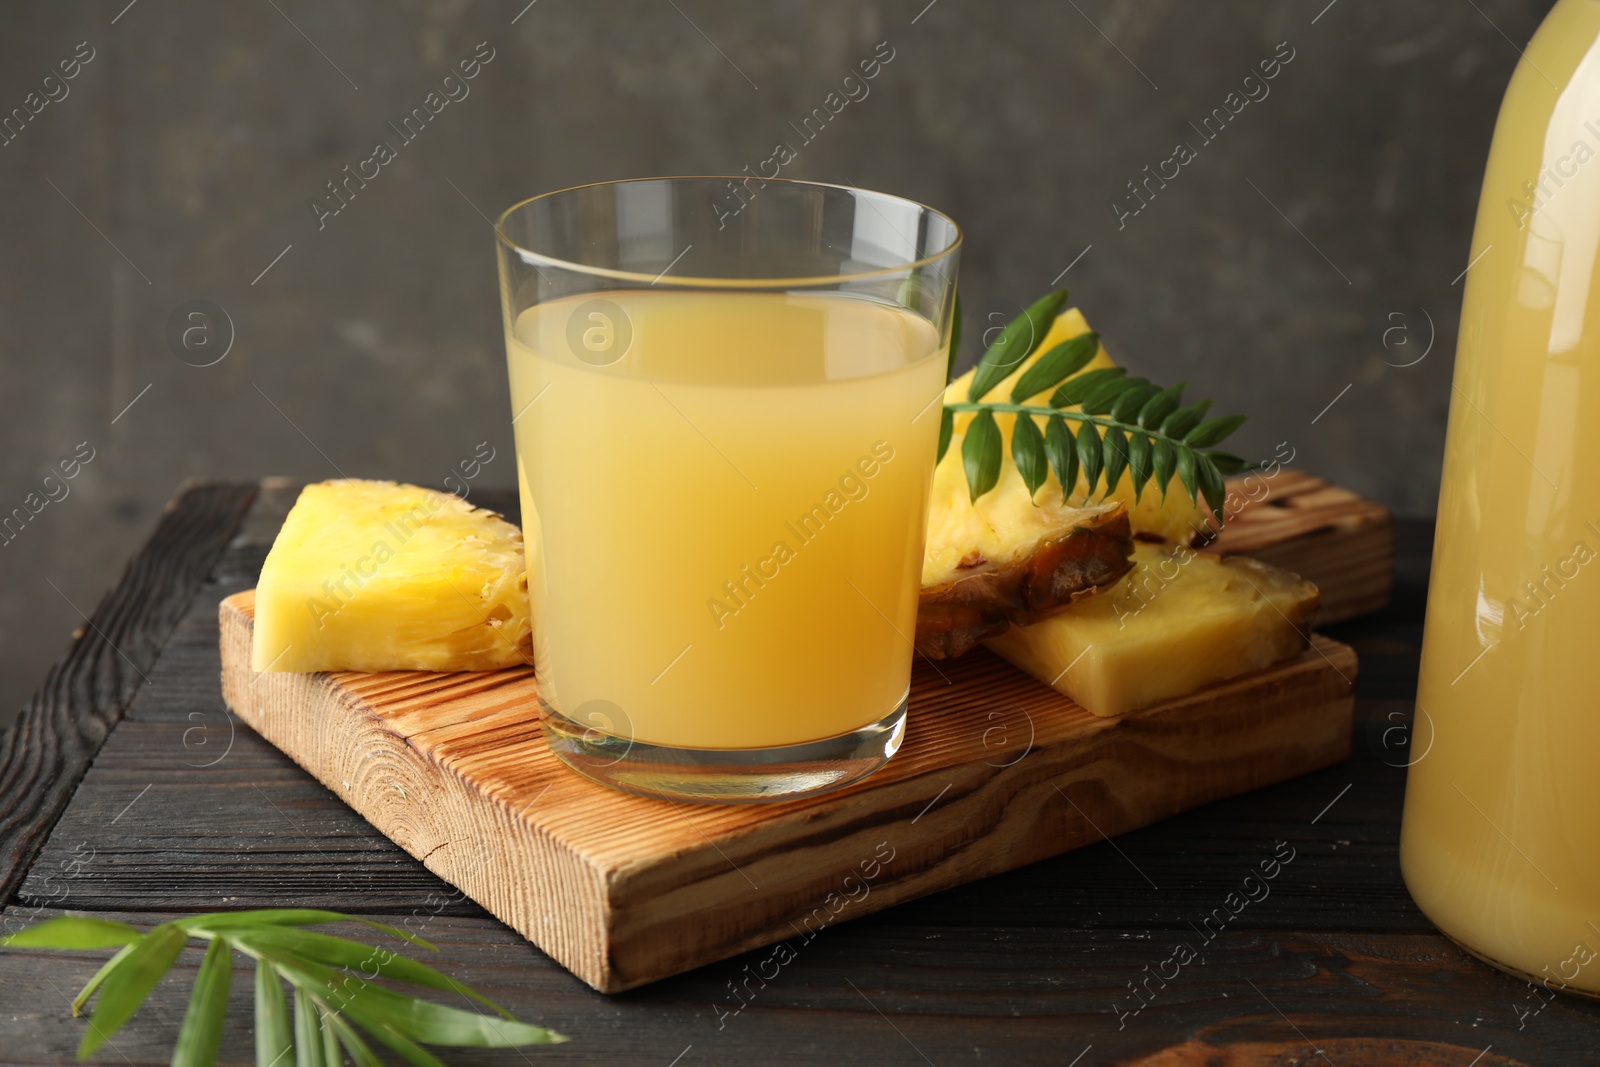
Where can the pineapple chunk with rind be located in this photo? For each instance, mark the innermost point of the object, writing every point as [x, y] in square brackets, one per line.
[1179, 621]
[379, 576]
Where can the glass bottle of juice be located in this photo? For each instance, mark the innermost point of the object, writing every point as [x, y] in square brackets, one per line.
[1500, 844]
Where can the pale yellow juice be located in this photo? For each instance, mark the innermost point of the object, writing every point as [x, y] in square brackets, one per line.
[724, 496]
[1501, 838]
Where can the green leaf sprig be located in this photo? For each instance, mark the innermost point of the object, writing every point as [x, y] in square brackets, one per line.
[333, 1004]
[1125, 423]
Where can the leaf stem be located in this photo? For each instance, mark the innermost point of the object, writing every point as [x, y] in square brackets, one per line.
[1065, 413]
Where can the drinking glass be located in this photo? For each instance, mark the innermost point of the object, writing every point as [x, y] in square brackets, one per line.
[726, 398]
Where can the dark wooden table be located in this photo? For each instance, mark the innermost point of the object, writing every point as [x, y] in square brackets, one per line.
[127, 789]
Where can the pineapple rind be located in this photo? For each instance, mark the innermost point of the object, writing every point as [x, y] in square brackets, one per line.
[374, 576]
[1056, 572]
[1180, 620]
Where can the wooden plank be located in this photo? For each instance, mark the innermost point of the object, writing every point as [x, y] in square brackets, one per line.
[166, 832]
[46, 751]
[167, 828]
[230, 820]
[1342, 542]
[256, 831]
[276, 834]
[1014, 996]
[271, 833]
[1022, 968]
[625, 890]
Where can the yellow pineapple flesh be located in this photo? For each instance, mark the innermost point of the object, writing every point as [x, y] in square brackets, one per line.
[1178, 621]
[378, 576]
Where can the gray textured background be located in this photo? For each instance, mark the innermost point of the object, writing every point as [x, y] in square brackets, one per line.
[1267, 273]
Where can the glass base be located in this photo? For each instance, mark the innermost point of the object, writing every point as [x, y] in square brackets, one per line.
[725, 776]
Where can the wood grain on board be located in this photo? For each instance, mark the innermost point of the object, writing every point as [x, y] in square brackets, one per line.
[997, 771]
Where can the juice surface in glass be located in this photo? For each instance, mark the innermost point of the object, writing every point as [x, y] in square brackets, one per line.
[723, 496]
[1501, 839]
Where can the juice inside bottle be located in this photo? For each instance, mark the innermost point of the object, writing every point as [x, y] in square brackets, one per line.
[724, 496]
[1500, 845]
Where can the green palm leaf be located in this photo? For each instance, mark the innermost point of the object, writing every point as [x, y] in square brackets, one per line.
[99, 976]
[1073, 390]
[360, 1052]
[1213, 431]
[1114, 456]
[330, 1038]
[1129, 404]
[274, 1037]
[980, 453]
[1228, 463]
[1089, 458]
[1186, 471]
[364, 959]
[1126, 424]
[125, 988]
[1183, 420]
[1102, 397]
[329, 1000]
[72, 931]
[1139, 468]
[307, 1031]
[201, 1034]
[1021, 336]
[1062, 451]
[418, 1020]
[1062, 361]
[408, 1049]
[1027, 452]
[1211, 485]
[1164, 459]
[221, 921]
[1158, 407]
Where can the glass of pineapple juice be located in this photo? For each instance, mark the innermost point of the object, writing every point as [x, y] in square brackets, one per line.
[726, 398]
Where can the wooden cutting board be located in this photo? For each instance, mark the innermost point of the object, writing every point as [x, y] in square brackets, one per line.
[997, 771]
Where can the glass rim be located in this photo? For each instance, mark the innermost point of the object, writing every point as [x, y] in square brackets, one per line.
[537, 259]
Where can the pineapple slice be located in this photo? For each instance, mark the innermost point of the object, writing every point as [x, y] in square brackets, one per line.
[376, 576]
[1180, 620]
[1063, 555]
[1011, 557]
